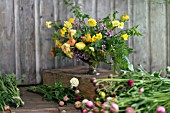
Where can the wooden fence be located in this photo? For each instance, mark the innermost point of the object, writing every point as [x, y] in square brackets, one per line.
[25, 41]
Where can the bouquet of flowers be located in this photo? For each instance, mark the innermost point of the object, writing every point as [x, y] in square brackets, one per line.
[91, 41]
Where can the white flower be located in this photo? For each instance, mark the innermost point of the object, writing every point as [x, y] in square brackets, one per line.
[168, 68]
[74, 82]
[84, 101]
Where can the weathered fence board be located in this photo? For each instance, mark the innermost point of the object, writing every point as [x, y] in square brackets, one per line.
[158, 34]
[25, 42]
[7, 45]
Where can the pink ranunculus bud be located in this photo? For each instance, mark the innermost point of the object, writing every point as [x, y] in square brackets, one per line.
[105, 105]
[77, 92]
[108, 99]
[65, 98]
[89, 104]
[141, 90]
[114, 107]
[85, 111]
[130, 110]
[61, 103]
[6, 108]
[130, 83]
[160, 109]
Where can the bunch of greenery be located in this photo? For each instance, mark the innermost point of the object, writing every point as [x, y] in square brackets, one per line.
[141, 91]
[90, 40]
[56, 91]
[9, 93]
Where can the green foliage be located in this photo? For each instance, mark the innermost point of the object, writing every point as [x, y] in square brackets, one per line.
[55, 91]
[156, 90]
[9, 93]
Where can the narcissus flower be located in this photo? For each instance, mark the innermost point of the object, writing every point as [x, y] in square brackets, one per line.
[99, 36]
[125, 36]
[71, 20]
[63, 31]
[121, 25]
[48, 24]
[124, 17]
[88, 38]
[58, 43]
[92, 22]
[94, 38]
[67, 25]
[80, 45]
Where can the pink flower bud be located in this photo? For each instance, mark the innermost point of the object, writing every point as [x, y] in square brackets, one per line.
[61, 103]
[77, 92]
[108, 99]
[160, 109]
[114, 107]
[105, 105]
[89, 104]
[65, 98]
[85, 111]
[6, 108]
[130, 110]
[141, 90]
[130, 83]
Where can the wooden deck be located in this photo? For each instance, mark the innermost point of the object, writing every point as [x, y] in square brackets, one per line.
[34, 103]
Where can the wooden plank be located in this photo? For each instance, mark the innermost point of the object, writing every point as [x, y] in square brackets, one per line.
[168, 33]
[7, 39]
[158, 34]
[26, 35]
[46, 14]
[89, 7]
[141, 43]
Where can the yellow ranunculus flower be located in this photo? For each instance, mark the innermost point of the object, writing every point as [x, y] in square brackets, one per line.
[92, 22]
[63, 31]
[71, 20]
[94, 38]
[91, 48]
[48, 24]
[65, 48]
[121, 25]
[102, 94]
[125, 36]
[58, 43]
[88, 38]
[67, 25]
[115, 23]
[124, 17]
[99, 36]
[80, 45]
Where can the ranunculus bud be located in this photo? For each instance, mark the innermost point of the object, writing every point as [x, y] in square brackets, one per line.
[141, 90]
[65, 98]
[108, 99]
[77, 104]
[130, 110]
[61, 103]
[89, 104]
[114, 107]
[77, 92]
[85, 101]
[160, 109]
[105, 105]
[130, 83]
[85, 111]
[6, 108]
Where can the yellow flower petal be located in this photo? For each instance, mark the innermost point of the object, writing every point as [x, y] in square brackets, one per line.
[121, 25]
[125, 36]
[58, 43]
[91, 48]
[124, 17]
[67, 25]
[48, 24]
[92, 22]
[71, 20]
[80, 45]
[115, 23]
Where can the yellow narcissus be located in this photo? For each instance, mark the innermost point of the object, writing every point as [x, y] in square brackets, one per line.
[63, 31]
[58, 43]
[124, 17]
[80, 45]
[48, 24]
[99, 36]
[94, 38]
[121, 25]
[92, 22]
[125, 36]
[115, 23]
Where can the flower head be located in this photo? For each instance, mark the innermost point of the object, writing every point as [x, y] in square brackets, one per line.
[91, 48]
[61, 103]
[71, 32]
[48, 24]
[80, 45]
[168, 69]
[130, 110]
[114, 107]
[74, 82]
[125, 36]
[58, 43]
[89, 104]
[124, 17]
[67, 25]
[77, 104]
[65, 48]
[71, 41]
[130, 83]
[63, 31]
[71, 20]
[99, 36]
[65, 98]
[102, 94]
[88, 38]
[115, 23]
[160, 109]
[94, 38]
[7, 108]
[141, 90]
[121, 25]
[92, 22]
